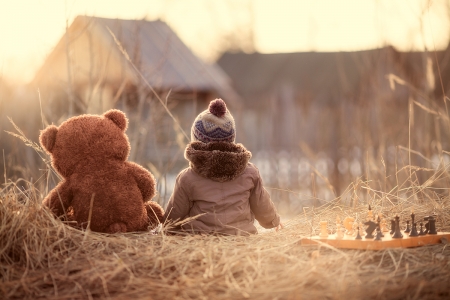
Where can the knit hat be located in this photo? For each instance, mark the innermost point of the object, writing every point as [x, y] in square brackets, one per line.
[216, 124]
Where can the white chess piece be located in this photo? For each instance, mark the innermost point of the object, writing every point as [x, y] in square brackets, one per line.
[355, 228]
[323, 229]
[338, 225]
[340, 233]
[383, 225]
[348, 224]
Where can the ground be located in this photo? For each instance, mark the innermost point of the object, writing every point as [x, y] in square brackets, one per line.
[41, 257]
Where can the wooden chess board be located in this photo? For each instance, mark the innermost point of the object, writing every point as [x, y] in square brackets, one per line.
[349, 242]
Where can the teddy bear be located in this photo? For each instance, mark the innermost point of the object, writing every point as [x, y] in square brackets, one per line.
[100, 188]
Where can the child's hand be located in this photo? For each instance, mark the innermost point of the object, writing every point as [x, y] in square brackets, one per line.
[280, 226]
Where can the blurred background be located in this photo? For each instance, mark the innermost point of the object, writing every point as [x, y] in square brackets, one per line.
[325, 93]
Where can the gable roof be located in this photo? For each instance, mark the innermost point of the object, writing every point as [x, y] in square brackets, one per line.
[164, 60]
[324, 75]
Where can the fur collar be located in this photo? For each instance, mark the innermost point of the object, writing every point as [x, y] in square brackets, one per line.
[219, 161]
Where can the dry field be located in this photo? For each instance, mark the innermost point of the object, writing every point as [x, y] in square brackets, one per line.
[41, 257]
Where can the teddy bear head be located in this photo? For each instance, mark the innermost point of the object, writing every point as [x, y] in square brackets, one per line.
[86, 139]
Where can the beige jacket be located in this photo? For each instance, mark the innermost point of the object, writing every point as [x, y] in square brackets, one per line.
[223, 186]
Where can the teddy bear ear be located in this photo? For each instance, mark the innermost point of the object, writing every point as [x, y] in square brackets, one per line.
[47, 137]
[118, 117]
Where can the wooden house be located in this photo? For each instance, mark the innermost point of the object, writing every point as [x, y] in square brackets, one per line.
[133, 65]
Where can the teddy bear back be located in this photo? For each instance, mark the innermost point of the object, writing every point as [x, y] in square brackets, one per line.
[86, 140]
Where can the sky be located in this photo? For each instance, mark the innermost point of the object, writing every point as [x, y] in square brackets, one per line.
[29, 29]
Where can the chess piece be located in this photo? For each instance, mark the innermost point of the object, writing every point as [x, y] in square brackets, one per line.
[340, 233]
[430, 226]
[370, 214]
[358, 236]
[426, 226]
[384, 225]
[355, 228]
[348, 224]
[414, 232]
[370, 229]
[338, 225]
[379, 234]
[407, 230]
[412, 216]
[392, 226]
[421, 232]
[397, 233]
[323, 229]
[379, 225]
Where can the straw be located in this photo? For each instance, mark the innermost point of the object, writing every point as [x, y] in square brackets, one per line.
[42, 257]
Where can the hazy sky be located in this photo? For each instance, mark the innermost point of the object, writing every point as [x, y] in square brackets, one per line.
[29, 29]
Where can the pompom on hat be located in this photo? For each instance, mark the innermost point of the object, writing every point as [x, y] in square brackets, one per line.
[216, 124]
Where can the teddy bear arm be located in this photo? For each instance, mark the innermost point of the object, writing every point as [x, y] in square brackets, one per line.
[155, 213]
[58, 200]
[144, 180]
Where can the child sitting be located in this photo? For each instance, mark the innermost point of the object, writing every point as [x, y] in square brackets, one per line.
[220, 185]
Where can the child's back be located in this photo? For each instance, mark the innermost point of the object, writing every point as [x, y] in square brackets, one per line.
[220, 185]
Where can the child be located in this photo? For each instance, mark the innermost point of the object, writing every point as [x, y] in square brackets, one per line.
[220, 185]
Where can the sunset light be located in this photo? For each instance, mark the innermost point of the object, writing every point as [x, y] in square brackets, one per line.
[29, 29]
[225, 149]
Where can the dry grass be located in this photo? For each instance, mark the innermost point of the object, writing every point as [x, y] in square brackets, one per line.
[41, 257]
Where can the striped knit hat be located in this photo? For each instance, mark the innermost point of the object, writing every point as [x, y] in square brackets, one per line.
[216, 124]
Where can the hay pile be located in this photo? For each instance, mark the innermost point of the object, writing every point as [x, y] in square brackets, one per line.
[40, 257]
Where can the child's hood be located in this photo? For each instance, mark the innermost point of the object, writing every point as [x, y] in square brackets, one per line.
[219, 161]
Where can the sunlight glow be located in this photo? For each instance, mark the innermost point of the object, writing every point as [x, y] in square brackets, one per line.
[29, 29]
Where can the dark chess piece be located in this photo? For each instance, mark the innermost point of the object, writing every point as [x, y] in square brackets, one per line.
[414, 232]
[358, 236]
[412, 218]
[370, 214]
[392, 226]
[371, 227]
[379, 226]
[408, 229]
[379, 234]
[421, 232]
[426, 226]
[430, 226]
[397, 233]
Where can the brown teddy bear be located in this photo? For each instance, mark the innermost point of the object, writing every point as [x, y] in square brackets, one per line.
[90, 152]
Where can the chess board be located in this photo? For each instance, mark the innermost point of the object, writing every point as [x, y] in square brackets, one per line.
[349, 242]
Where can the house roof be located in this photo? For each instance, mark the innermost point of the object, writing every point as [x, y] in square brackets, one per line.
[327, 76]
[164, 60]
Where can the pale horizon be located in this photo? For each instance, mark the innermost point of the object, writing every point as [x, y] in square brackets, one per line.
[205, 27]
